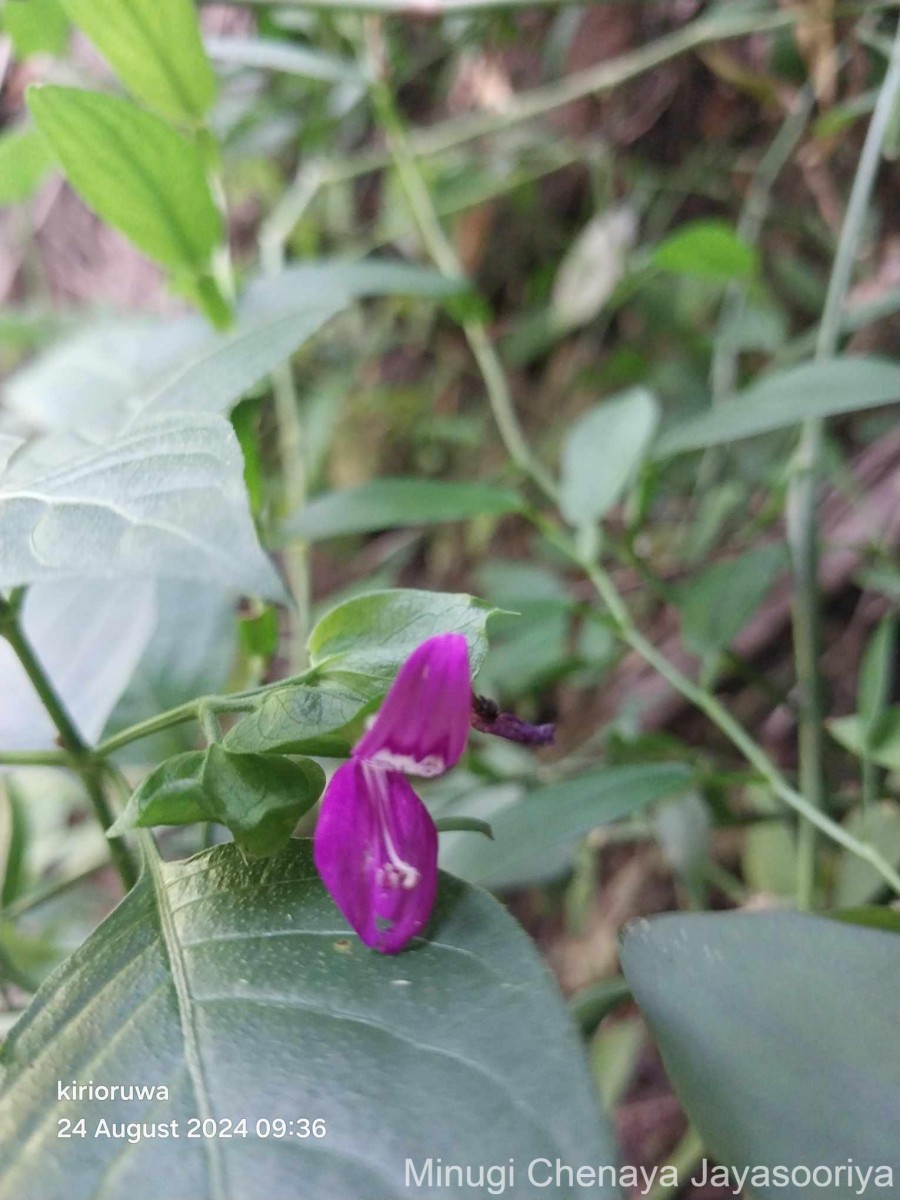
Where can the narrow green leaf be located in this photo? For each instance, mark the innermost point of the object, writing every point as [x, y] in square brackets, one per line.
[138, 173]
[268, 54]
[385, 503]
[716, 604]
[373, 634]
[876, 674]
[25, 159]
[238, 987]
[534, 836]
[778, 1032]
[706, 250]
[154, 47]
[820, 389]
[602, 453]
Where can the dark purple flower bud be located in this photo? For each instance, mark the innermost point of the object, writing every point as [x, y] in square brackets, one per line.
[487, 718]
[376, 848]
[423, 724]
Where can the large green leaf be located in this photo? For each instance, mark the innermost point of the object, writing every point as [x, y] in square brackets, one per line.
[819, 389]
[36, 27]
[602, 452]
[166, 500]
[105, 377]
[138, 173]
[373, 634]
[239, 988]
[154, 47]
[779, 1033]
[534, 836]
[384, 503]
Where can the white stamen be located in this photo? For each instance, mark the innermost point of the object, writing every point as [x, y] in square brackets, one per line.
[396, 872]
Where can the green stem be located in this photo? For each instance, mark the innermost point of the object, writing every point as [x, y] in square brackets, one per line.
[445, 258]
[803, 493]
[289, 419]
[82, 758]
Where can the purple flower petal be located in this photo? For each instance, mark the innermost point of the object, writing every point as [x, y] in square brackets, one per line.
[422, 726]
[376, 848]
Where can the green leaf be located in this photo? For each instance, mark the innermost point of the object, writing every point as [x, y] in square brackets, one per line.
[170, 795]
[239, 988]
[882, 746]
[167, 500]
[260, 798]
[602, 453]
[716, 604]
[375, 633]
[320, 718]
[857, 882]
[36, 26]
[268, 54]
[138, 173]
[464, 825]
[778, 1032]
[785, 398]
[706, 250]
[25, 159]
[876, 675]
[534, 837]
[385, 503]
[154, 47]
[108, 377]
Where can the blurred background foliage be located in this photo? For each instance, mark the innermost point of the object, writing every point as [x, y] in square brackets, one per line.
[642, 196]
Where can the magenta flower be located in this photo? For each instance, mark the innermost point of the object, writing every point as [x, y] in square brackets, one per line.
[376, 846]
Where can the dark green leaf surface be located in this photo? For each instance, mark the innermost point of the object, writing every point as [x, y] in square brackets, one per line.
[154, 47]
[135, 171]
[373, 634]
[260, 798]
[240, 989]
[820, 389]
[779, 1032]
[386, 503]
[716, 604]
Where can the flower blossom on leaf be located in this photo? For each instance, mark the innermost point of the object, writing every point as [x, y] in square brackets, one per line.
[376, 845]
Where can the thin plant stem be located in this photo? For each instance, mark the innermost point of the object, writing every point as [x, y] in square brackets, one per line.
[447, 261]
[82, 758]
[292, 440]
[444, 257]
[803, 533]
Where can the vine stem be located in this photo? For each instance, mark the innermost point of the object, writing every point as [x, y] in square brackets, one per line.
[444, 256]
[803, 533]
[81, 756]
